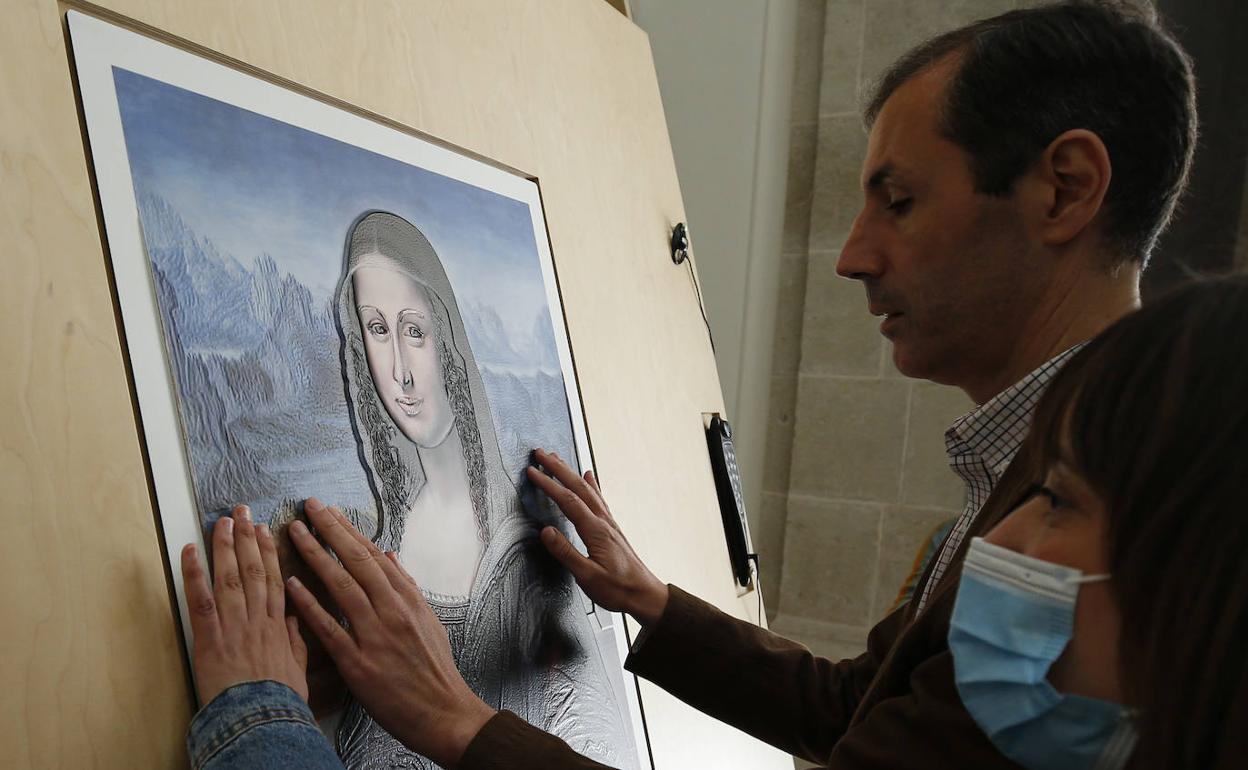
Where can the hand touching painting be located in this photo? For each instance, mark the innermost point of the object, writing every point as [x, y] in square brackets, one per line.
[446, 505]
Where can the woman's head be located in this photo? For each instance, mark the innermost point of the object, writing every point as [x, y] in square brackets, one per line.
[1144, 435]
[402, 336]
[408, 368]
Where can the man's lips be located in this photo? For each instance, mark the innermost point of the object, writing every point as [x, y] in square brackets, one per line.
[891, 315]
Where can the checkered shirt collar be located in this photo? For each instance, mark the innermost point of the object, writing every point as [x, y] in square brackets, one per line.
[982, 443]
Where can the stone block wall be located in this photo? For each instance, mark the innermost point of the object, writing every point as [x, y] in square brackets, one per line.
[856, 476]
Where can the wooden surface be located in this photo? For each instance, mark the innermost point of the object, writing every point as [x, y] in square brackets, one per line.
[91, 670]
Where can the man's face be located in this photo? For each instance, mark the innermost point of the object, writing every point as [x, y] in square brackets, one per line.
[953, 272]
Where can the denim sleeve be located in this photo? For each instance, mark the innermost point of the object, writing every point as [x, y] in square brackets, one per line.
[257, 725]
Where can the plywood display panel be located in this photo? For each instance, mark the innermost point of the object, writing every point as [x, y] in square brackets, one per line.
[563, 90]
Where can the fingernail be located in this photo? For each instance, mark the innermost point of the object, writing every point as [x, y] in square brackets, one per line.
[245, 512]
[229, 524]
[191, 549]
[293, 582]
[312, 504]
[263, 529]
[298, 527]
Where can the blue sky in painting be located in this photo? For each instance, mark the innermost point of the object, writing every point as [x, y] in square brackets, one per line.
[256, 185]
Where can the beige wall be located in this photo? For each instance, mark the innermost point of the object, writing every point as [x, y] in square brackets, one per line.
[91, 673]
[856, 471]
[724, 70]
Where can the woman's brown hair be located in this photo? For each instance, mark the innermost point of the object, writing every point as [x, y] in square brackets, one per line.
[1155, 410]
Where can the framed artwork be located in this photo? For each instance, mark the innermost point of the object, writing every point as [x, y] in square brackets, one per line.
[317, 304]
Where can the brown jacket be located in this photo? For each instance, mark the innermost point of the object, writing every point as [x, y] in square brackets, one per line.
[895, 706]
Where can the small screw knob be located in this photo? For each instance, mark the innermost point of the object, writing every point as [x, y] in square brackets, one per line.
[680, 243]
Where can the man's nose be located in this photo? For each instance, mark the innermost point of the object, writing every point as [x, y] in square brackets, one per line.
[860, 257]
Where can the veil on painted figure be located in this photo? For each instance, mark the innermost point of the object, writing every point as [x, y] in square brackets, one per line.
[424, 429]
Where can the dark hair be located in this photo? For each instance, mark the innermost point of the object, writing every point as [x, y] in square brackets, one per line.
[1155, 411]
[1027, 76]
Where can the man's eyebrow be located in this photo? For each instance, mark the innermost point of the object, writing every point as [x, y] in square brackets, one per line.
[879, 177]
[411, 311]
[369, 307]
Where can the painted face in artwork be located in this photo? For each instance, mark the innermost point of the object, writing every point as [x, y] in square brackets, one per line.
[399, 341]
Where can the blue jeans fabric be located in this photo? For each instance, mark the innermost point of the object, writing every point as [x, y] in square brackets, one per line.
[258, 726]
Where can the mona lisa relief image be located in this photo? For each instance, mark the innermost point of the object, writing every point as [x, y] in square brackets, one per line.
[446, 504]
[344, 321]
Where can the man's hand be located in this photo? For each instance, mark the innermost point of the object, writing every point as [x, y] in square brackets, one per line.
[395, 657]
[611, 575]
[240, 628]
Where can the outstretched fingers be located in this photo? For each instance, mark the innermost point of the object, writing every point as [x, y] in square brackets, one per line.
[404, 583]
[400, 574]
[570, 480]
[337, 642]
[205, 626]
[346, 592]
[581, 566]
[591, 480]
[355, 550]
[572, 505]
[599, 502]
[227, 582]
[276, 600]
[251, 566]
[397, 582]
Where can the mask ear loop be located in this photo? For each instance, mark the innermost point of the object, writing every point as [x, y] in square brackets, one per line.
[1085, 579]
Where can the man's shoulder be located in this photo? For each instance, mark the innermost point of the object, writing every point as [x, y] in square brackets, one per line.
[907, 638]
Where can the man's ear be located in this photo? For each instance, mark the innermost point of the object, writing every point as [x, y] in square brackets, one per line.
[1075, 171]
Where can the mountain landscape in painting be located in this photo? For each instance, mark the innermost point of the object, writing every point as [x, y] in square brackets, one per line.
[255, 355]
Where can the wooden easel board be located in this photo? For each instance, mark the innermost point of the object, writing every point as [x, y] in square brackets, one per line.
[564, 91]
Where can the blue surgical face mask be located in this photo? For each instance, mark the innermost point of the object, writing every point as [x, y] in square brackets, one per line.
[1013, 617]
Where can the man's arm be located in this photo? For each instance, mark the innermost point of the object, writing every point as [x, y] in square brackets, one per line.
[507, 742]
[926, 727]
[779, 692]
[763, 684]
[772, 688]
[750, 678]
